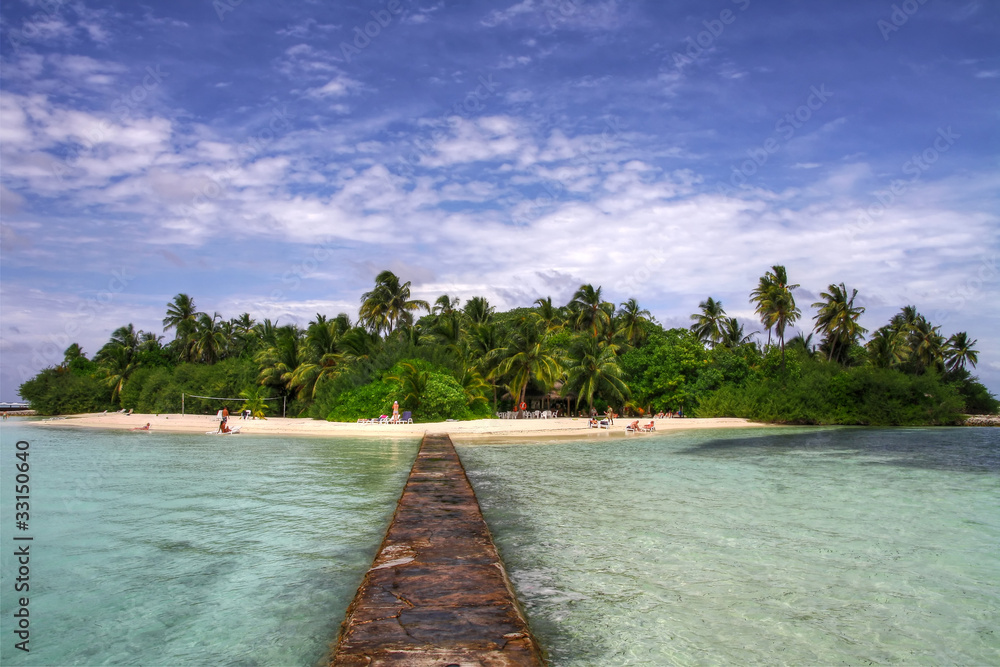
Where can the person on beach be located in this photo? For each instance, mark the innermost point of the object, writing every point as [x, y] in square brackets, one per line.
[395, 411]
[142, 428]
[610, 416]
[225, 418]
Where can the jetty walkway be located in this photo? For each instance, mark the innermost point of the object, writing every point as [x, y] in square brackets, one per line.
[437, 593]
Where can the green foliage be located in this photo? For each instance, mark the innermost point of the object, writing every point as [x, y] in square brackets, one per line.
[978, 399]
[663, 374]
[454, 362]
[370, 400]
[826, 393]
[430, 392]
[442, 399]
[59, 392]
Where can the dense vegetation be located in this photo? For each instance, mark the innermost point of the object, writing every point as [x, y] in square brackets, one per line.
[466, 361]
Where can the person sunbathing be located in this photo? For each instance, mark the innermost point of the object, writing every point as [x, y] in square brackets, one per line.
[651, 426]
[142, 428]
[634, 426]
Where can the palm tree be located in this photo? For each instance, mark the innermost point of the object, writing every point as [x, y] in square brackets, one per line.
[279, 361]
[242, 332]
[182, 317]
[708, 324]
[119, 364]
[414, 384]
[776, 304]
[837, 321]
[321, 358]
[590, 310]
[388, 304]
[478, 310]
[358, 344]
[906, 317]
[632, 319]
[525, 357]
[549, 313]
[118, 357]
[447, 327]
[255, 402]
[265, 333]
[959, 352]
[732, 334]
[474, 387]
[209, 339]
[889, 347]
[593, 369]
[803, 344]
[342, 324]
[927, 344]
[484, 341]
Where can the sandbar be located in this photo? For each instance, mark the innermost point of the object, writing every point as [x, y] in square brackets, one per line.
[476, 430]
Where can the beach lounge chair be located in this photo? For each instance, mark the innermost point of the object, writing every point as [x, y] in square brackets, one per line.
[406, 417]
[604, 423]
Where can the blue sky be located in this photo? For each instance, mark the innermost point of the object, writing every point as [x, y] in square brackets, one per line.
[274, 157]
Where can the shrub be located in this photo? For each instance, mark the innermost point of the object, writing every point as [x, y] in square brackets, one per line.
[57, 392]
[825, 393]
[371, 400]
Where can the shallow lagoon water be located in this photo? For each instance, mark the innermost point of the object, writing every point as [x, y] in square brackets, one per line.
[783, 546]
[786, 546]
[163, 549]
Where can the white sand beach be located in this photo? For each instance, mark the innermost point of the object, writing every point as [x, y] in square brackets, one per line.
[488, 429]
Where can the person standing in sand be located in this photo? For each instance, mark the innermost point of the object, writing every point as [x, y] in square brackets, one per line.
[225, 417]
[395, 411]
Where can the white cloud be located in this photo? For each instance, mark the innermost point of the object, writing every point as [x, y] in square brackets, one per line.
[337, 87]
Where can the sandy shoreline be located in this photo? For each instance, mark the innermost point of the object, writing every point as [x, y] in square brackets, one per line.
[483, 429]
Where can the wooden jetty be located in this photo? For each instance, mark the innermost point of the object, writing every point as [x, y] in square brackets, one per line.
[437, 593]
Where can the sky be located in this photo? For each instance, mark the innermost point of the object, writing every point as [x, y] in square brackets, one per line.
[272, 158]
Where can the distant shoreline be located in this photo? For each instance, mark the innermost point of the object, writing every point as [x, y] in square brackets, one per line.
[482, 429]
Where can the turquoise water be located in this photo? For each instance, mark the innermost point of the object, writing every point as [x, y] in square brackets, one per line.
[841, 546]
[158, 549]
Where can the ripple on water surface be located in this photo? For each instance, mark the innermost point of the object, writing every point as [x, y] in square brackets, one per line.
[795, 546]
[161, 549]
